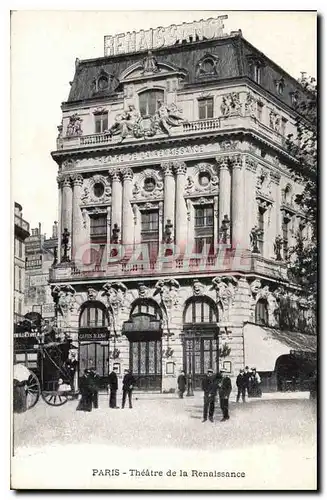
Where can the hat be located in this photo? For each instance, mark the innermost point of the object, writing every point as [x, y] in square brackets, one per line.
[210, 370]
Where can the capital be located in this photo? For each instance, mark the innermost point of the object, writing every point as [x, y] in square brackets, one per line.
[77, 180]
[66, 181]
[179, 167]
[114, 173]
[250, 164]
[167, 168]
[127, 174]
[236, 161]
[222, 162]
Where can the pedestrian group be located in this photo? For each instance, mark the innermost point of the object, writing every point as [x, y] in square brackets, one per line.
[89, 387]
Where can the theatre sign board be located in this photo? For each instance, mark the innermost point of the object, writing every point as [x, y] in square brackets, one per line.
[124, 43]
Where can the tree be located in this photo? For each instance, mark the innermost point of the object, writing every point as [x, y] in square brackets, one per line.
[303, 147]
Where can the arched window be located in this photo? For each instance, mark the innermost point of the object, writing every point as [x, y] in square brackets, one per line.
[93, 315]
[288, 194]
[146, 306]
[148, 102]
[200, 310]
[261, 312]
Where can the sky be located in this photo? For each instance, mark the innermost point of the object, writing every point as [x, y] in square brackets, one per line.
[44, 46]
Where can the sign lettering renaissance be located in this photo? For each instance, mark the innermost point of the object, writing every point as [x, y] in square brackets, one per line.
[124, 43]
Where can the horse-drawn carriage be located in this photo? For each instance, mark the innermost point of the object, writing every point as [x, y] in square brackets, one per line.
[53, 379]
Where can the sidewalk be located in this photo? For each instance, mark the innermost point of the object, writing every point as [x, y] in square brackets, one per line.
[199, 395]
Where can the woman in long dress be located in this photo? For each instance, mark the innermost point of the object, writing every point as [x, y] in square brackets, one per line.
[85, 403]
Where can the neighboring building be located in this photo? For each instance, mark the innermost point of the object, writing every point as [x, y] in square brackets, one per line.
[22, 231]
[40, 255]
[177, 208]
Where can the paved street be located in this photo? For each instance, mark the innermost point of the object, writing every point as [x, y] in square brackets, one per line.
[278, 431]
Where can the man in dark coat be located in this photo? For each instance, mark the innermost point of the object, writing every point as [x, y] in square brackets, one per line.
[181, 382]
[241, 382]
[94, 380]
[113, 383]
[85, 403]
[247, 375]
[225, 388]
[128, 385]
[209, 387]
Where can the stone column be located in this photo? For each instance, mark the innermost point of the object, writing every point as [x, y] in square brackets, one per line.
[251, 206]
[116, 198]
[169, 194]
[66, 208]
[238, 212]
[59, 181]
[77, 228]
[224, 189]
[128, 216]
[180, 207]
[275, 177]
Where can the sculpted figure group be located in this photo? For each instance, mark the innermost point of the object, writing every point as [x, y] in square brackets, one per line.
[130, 122]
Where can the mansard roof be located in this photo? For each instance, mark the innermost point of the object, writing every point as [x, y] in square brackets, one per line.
[233, 57]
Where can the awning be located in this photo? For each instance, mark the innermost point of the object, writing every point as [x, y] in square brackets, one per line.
[263, 345]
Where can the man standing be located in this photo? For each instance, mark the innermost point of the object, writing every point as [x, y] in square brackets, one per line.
[128, 385]
[209, 386]
[181, 382]
[241, 383]
[94, 387]
[113, 383]
[225, 388]
[247, 376]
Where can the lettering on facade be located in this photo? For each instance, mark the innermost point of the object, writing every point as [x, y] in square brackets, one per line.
[93, 336]
[124, 43]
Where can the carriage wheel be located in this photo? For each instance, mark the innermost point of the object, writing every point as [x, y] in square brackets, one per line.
[32, 391]
[54, 398]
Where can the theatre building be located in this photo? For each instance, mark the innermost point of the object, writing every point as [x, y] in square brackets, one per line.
[177, 210]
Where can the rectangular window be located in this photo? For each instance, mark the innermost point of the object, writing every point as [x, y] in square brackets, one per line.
[203, 230]
[205, 108]
[261, 226]
[20, 284]
[257, 73]
[20, 249]
[101, 123]
[148, 102]
[204, 216]
[150, 232]
[98, 227]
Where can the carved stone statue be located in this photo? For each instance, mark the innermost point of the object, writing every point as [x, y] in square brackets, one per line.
[63, 297]
[254, 238]
[65, 243]
[150, 64]
[74, 127]
[278, 247]
[224, 229]
[249, 106]
[115, 234]
[125, 122]
[91, 294]
[168, 116]
[198, 288]
[115, 292]
[168, 232]
[168, 290]
[143, 290]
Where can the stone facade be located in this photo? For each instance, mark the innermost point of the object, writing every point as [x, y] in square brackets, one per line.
[126, 163]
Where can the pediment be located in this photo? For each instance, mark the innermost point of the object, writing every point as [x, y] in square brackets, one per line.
[150, 68]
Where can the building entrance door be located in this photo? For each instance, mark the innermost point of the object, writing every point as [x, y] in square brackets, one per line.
[145, 364]
[96, 355]
[200, 353]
